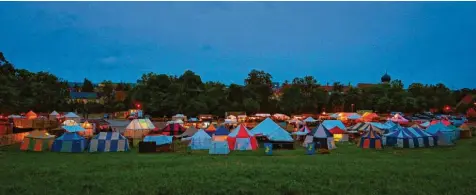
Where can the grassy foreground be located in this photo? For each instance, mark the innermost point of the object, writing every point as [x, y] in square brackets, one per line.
[347, 170]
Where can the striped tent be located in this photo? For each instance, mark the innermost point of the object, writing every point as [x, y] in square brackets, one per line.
[200, 141]
[220, 134]
[456, 130]
[69, 142]
[370, 140]
[365, 127]
[303, 131]
[189, 132]
[109, 142]
[409, 138]
[242, 139]
[173, 129]
[322, 136]
[465, 131]
[37, 141]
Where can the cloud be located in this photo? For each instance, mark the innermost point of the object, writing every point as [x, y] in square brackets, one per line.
[108, 60]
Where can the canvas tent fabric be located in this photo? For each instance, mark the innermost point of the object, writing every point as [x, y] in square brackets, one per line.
[189, 132]
[272, 131]
[73, 128]
[109, 142]
[138, 128]
[446, 136]
[159, 139]
[424, 125]
[173, 129]
[364, 127]
[465, 131]
[37, 141]
[337, 128]
[354, 116]
[31, 115]
[370, 140]
[53, 115]
[444, 122]
[220, 134]
[72, 116]
[69, 142]
[242, 139]
[210, 130]
[322, 135]
[200, 141]
[456, 130]
[310, 120]
[397, 118]
[219, 147]
[369, 116]
[303, 131]
[409, 138]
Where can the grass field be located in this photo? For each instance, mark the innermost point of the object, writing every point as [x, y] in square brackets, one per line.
[347, 170]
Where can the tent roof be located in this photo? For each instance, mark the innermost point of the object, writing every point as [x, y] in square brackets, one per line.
[433, 129]
[31, 114]
[241, 132]
[201, 134]
[190, 131]
[70, 123]
[39, 134]
[73, 128]
[54, 113]
[444, 122]
[329, 124]
[211, 127]
[71, 115]
[354, 116]
[109, 136]
[464, 127]
[158, 139]
[268, 127]
[221, 131]
[310, 119]
[321, 132]
[371, 133]
[70, 136]
[303, 131]
[140, 124]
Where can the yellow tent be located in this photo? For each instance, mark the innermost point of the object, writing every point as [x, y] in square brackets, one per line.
[138, 128]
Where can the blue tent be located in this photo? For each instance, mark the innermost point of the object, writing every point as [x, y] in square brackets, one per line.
[272, 131]
[73, 128]
[219, 147]
[69, 142]
[221, 131]
[109, 142]
[200, 140]
[410, 138]
[446, 136]
[159, 139]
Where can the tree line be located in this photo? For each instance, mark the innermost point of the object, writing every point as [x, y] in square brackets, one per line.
[166, 95]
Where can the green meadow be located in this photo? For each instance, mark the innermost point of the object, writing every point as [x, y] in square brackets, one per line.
[347, 170]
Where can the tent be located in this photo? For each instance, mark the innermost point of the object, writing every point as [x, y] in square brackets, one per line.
[53, 115]
[88, 129]
[370, 140]
[369, 116]
[321, 135]
[220, 134]
[138, 128]
[242, 139]
[173, 129]
[409, 138]
[72, 126]
[444, 122]
[210, 129]
[354, 116]
[200, 141]
[219, 147]
[424, 125]
[72, 116]
[303, 131]
[389, 124]
[109, 142]
[189, 132]
[337, 128]
[159, 139]
[37, 141]
[456, 130]
[281, 116]
[69, 142]
[31, 115]
[397, 118]
[445, 135]
[465, 131]
[272, 131]
[310, 120]
[365, 127]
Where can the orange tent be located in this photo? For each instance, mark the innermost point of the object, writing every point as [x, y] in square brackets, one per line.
[31, 115]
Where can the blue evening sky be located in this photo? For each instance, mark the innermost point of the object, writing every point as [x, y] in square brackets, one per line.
[426, 42]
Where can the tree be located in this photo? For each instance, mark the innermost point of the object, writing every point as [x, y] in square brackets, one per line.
[87, 86]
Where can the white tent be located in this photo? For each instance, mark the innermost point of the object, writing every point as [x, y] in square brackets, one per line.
[54, 115]
[200, 141]
[72, 116]
[310, 120]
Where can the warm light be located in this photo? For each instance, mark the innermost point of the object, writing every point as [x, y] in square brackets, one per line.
[138, 105]
[323, 112]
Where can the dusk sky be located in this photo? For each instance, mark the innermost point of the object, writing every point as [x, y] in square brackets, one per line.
[354, 42]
